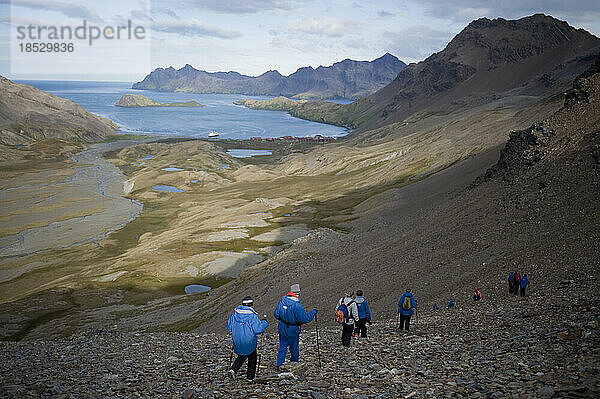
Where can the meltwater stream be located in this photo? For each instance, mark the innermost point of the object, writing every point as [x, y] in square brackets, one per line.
[68, 210]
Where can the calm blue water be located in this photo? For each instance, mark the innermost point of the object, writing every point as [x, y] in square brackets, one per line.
[220, 114]
[239, 153]
[196, 288]
[167, 189]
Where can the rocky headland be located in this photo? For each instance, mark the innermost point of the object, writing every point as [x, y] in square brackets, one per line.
[139, 101]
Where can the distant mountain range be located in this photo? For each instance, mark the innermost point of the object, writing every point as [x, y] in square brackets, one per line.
[345, 79]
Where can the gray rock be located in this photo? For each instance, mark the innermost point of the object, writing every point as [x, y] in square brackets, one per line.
[546, 391]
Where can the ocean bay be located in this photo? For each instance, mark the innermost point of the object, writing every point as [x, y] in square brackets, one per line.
[219, 114]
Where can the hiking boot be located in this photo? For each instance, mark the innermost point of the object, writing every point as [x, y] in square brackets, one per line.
[231, 374]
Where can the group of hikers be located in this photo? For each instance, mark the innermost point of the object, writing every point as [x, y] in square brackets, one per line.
[517, 283]
[351, 312]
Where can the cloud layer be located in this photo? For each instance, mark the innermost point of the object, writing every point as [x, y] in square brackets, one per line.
[66, 8]
[193, 27]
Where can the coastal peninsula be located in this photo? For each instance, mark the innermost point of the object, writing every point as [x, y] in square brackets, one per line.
[139, 101]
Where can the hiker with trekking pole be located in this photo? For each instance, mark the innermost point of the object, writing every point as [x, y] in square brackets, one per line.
[245, 326]
[406, 308]
[346, 313]
[291, 316]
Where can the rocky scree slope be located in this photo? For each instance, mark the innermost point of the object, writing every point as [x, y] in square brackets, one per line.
[345, 79]
[511, 347]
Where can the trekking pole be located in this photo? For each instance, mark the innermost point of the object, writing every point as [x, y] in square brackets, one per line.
[318, 348]
[397, 319]
[231, 355]
[260, 353]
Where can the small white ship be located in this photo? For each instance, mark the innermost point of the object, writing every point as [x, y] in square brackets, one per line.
[213, 133]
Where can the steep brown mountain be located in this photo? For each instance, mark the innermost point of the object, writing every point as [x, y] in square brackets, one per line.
[28, 115]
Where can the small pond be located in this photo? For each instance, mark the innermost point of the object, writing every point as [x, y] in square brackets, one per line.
[172, 168]
[147, 157]
[240, 153]
[169, 189]
[196, 288]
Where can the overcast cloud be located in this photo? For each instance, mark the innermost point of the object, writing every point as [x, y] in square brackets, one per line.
[66, 8]
[238, 6]
[194, 27]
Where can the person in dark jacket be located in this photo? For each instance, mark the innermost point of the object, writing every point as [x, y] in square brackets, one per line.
[244, 326]
[524, 282]
[511, 282]
[291, 316]
[451, 303]
[517, 280]
[364, 315]
[406, 308]
[477, 296]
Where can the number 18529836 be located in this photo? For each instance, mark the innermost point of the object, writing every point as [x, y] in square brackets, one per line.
[47, 47]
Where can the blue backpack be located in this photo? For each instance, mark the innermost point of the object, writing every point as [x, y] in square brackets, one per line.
[341, 314]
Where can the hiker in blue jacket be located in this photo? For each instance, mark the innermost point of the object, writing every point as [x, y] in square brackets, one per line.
[406, 308]
[524, 282]
[364, 315]
[291, 316]
[244, 326]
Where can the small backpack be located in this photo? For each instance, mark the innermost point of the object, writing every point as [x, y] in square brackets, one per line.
[341, 314]
[406, 305]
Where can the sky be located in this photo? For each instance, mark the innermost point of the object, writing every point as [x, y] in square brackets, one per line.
[247, 36]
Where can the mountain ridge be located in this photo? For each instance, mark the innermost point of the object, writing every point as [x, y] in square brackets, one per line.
[483, 57]
[344, 79]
